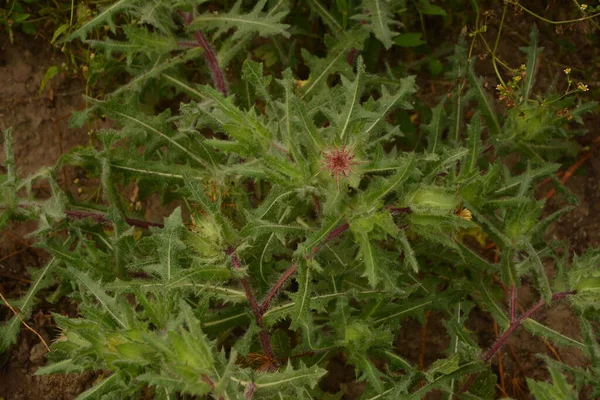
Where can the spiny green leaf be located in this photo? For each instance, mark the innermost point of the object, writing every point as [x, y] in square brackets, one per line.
[328, 225]
[409, 254]
[334, 62]
[302, 298]
[533, 53]
[559, 389]
[388, 101]
[10, 329]
[436, 126]
[444, 366]
[291, 139]
[541, 279]
[409, 307]
[326, 16]
[368, 371]
[104, 17]
[108, 303]
[384, 187]
[486, 298]
[378, 18]
[170, 245]
[353, 92]
[279, 312]
[254, 22]
[139, 121]
[197, 194]
[67, 366]
[368, 257]
[474, 129]
[555, 337]
[286, 381]
[252, 72]
[115, 382]
[139, 40]
[485, 103]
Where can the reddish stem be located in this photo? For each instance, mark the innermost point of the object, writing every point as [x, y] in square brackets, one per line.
[351, 57]
[256, 310]
[511, 329]
[399, 210]
[293, 268]
[330, 236]
[211, 56]
[513, 303]
[103, 219]
[317, 204]
[277, 287]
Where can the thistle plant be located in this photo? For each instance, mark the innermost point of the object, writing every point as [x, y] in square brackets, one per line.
[304, 229]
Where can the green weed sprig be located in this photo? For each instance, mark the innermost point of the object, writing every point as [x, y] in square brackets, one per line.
[303, 229]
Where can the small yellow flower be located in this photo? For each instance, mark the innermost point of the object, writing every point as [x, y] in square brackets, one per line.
[517, 78]
[79, 190]
[567, 71]
[84, 68]
[583, 7]
[582, 87]
[465, 213]
[92, 55]
[76, 181]
[523, 67]
[499, 87]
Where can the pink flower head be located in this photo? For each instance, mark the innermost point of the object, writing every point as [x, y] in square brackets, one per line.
[339, 162]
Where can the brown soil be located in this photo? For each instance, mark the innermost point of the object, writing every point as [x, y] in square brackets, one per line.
[40, 135]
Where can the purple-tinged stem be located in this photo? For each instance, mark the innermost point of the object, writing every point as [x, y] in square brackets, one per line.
[206, 379]
[351, 57]
[249, 393]
[103, 219]
[511, 329]
[330, 236]
[277, 287]
[399, 210]
[256, 310]
[293, 268]
[211, 56]
[513, 303]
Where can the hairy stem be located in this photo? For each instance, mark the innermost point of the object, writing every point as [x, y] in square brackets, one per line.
[211, 56]
[513, 303]
[514, 325]
[277, 287]
[102, 218]
[256, 310]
